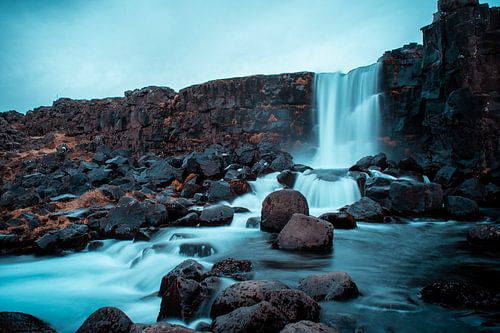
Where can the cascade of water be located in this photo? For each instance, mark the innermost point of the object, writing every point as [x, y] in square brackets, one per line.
[348, 116]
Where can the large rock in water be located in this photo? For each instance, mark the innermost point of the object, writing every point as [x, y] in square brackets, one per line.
[278, 207]
[411, 197]
[365, 209]
[459, 295]
[305, 233]
[296, 305]
[306, 326]
[106, 320]
[486, 235]
[259, 318]
[14, 322]
[329, 286]
[216, 215]
[244, 293]
[462, 208]
[341, 220]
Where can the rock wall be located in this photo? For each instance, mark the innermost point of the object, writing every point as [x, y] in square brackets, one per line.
[443, 98]
[158, 119]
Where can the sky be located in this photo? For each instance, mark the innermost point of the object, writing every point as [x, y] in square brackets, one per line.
[100, 48]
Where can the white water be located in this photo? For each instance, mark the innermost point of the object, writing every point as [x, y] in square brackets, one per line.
[348, 116]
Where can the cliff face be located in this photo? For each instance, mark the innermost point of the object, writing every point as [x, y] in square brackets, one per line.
[443, 98]
[228, 112]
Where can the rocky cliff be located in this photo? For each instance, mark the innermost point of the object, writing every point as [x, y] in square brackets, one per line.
[443, 98]
[158, 119]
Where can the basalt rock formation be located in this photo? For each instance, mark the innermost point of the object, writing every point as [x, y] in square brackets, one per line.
[443, 98]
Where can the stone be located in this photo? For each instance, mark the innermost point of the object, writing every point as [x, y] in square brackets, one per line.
[340, 220]
[155, 213]
[363, 164]
[278, 207]
[181, 299]
[305, 233]
[21, 322]
[365, 209]
[473, 189]
[447, 176]
[245, 293]
[462, 208]
[74, 237]
[112, 192]
[190, 220]
[414, 198]
[258, 318]
[160, 328]
[459, 295]
[106, 320]
[220, 190]
[253, 223]
[294, 304]
[283, 161]
[188, 269]
[485, 235]
[124, 219]
[287, 178]
[232, 268]
[217, 215]
[196, 250]
[330, 286]
[451, 5]
[306, 326]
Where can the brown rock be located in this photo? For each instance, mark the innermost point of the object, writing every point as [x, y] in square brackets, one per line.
[278, 207]
[305, 233]
[330, 286]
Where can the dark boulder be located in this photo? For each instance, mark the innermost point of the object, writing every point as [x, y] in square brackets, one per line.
[217, 215]
[112, 192]
[259, 318]
[287, 178]
[363, 164]
[341, 220]
[232, 268]
[106, 320]
[473, 189]
[283, 161]
[253, 223]
[188, 269]
[244, 293]
[196, 250]
[365, 209]
[278, 207]
[220, 190]
[485, 235]
[410, 164]
[459, 295]
[415, 198]
[447, 176]
[462, 208]
[294, 304]
[160, 328]
[190, 220]
[124, 219]
[155, 213]
[190, 188]
[330, 286]
[305, 233]
[74, 237]
[306, 326]
[18, 322]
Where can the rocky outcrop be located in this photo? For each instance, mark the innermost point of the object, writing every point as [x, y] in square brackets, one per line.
[443, 98]
[158, 119]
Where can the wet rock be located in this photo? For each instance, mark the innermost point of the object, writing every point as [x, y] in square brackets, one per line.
[414, 198]
[175, 209]
[485, 235]
[294, 304]
[240, 187]
[238, 172]
[253, 223]
[188, 269]
[112, 192]
[447, 176]
[300, 168]
[232, 268]
[197, 250]
[106, 320]
[283, 161]
[278, 207]
[155, 213]
[365, 209]
[244, 293]
[217, 215]
[462, 208]
[410, 164]
[340, 220]
[190, 188]
[258, 318]
[287, 178]
[95, 245]
[261, 168]
[125, 219]
[14, 322]
[74, 237]
[160, 174]
[363, 164]
[306, 326]
[160, 328]
[305, 233]
[330, 286]
[190, 220]
[459, 295]
[473, 189]
[64, 197]
[220, 190]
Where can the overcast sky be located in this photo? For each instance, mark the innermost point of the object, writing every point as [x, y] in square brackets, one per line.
[100, 48]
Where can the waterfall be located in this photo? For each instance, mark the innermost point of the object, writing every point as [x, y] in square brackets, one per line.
[348, 116]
